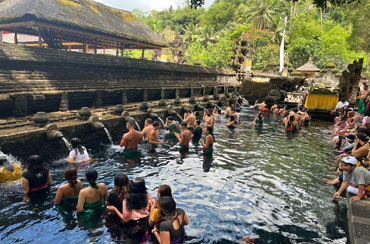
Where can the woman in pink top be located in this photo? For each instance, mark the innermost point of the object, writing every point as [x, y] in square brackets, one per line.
[137, 204]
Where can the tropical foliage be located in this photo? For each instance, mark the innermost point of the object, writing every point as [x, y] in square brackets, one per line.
[326, 30]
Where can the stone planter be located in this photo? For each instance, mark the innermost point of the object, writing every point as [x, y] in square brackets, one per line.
[118, 109]
[162, 103]
[205, 99]
[144, 106]
[192, 100]
[177, 102]
[84, 113]
[40, 119]
[216, 97]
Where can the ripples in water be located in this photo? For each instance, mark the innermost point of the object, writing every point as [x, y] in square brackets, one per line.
[260, 182]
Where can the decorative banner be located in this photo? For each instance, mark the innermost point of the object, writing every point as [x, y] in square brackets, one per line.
[282, 48]
[249, 65]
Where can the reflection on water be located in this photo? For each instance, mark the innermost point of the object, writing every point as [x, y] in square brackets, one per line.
[259, 182]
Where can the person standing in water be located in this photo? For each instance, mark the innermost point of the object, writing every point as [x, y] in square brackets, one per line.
[36, 180]
[209, 119]
[153, 137]
[147, 129]
[197, 132]
[258, 120]
[79, 153]
[173, 126]
[66, 197]
[131, 140]
[231, 124]
[92, 200]
[171, 229]
[185, 137]
[190, 119]
[208, 144]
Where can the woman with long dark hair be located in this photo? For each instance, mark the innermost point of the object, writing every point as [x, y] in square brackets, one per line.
[208, 144]
[118, 193]
[79, 153]
[92, 200]
[66, 197]
[36, 180]
[231, 124]
[137, 204]
[292, 124]
[171, 229]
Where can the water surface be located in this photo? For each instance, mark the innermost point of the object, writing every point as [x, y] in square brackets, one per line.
[261, 182]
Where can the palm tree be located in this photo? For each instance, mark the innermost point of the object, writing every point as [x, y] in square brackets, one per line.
[262, 12]
[191, 32]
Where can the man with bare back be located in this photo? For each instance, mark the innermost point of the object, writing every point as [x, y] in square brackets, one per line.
[131, 140]
[185, 137]
[147, 129]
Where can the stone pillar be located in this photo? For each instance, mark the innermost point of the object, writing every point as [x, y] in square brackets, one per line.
[226, 89]
[20, 105]
[177, 93]
[64, 102]
[145, 95]
[124, 97]
[192, 92]
[203, 91]
[215, 90]
[163, 93]
[1, 37]
[98, 99]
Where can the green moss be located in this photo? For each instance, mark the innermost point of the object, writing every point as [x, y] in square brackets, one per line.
[69, 3]
[93, 6]
[330, 65]
[339, 74]
[272, 63]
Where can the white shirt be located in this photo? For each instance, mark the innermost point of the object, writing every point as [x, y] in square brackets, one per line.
[341, 105]
[78, 157]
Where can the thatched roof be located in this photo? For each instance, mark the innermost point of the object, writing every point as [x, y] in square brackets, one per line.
[65, 18]
[308, 67]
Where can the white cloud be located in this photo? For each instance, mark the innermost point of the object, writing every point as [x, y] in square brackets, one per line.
[146, 5]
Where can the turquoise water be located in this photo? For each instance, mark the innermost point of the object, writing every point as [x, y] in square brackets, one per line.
[261, 182]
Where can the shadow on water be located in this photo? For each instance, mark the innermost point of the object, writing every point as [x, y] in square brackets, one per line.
[261, 183]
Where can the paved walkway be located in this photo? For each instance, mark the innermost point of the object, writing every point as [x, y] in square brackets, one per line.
[359, 221]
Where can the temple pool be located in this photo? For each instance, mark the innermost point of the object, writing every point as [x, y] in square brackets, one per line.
[261, 183]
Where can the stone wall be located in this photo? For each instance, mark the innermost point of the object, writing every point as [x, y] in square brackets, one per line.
[36, 79]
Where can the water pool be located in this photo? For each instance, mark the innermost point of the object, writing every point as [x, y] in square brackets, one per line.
[261, 182]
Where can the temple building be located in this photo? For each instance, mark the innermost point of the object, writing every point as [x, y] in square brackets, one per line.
[309, 69]
[74, 24]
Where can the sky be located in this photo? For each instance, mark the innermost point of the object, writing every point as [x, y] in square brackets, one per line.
[147, 5]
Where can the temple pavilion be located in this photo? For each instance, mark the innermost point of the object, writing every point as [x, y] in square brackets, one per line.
[75, 24]
[309, 69]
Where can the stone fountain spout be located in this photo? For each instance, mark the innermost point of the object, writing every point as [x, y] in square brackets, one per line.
[54, 135]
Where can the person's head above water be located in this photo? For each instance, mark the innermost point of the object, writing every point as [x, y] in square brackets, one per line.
[295, 110]
[35, 164]
[130, 124]
[183, 125]
[164, 190]
[120, 186]
[148, 121]
[136, 197]
[197, 122]
[91, 176]
[156, 125]
[170, 118]
[70, 174]
[75, 142]
[167, 206]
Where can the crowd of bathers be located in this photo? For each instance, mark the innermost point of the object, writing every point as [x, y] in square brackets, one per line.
[351, 136]
[293, 119]
[128, 208]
